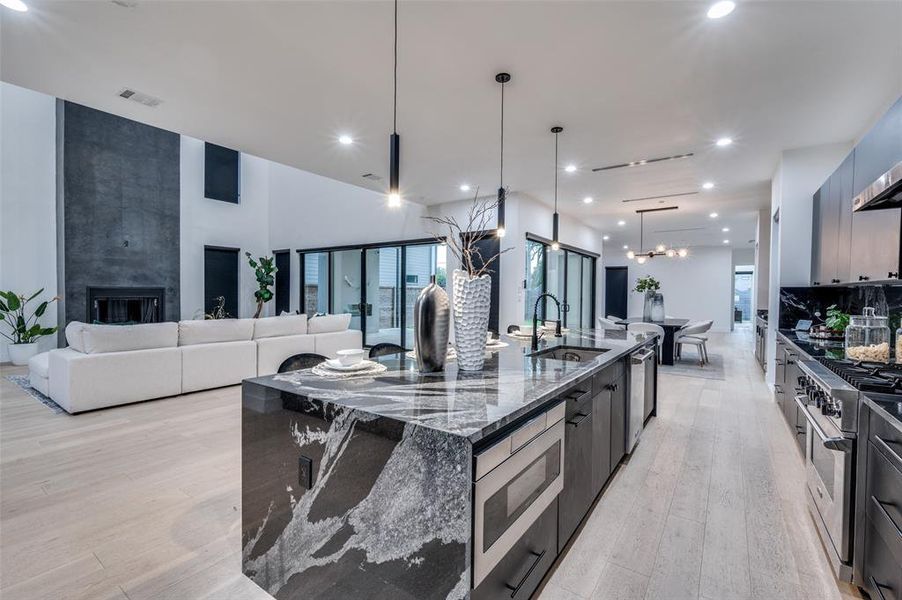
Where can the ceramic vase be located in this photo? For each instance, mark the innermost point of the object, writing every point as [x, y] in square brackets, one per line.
[657, 308]
[646, 309]
[471, 298]
[431, 322]
[20, 354]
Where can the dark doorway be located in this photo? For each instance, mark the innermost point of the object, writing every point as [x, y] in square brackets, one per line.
[489, 246]
[616, 291]
[283, 281]
[221, 278]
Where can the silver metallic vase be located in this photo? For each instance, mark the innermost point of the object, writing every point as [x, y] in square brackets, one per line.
[431, 322]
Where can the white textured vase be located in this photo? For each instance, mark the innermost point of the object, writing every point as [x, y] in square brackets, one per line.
[472, 298]
[20, 354]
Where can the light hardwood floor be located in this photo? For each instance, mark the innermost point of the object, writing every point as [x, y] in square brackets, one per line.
[143, 501]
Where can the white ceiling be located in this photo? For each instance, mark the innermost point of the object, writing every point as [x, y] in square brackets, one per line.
[627, 80]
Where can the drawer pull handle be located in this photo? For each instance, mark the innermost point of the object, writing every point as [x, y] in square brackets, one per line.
[577, 422]
[576, 394]
[515, 589]
[877, 587]
[888, 448]
[886, 514]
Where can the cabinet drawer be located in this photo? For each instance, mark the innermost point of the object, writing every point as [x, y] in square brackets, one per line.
[608, 375]
[883, 496]
[886, 438]
[881, 574]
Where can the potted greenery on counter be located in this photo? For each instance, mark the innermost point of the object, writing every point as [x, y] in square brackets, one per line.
[24, 328]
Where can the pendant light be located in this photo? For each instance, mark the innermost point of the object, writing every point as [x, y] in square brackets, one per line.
[660, 250]
[555, 240]
[394, 189]
[501, 78]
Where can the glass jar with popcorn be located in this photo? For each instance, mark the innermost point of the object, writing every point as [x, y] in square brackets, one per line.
[899, 346]
[868, 337]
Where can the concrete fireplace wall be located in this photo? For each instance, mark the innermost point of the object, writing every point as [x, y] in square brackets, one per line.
[119, 199]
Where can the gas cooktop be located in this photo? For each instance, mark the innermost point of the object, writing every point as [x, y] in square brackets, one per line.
[867, 376]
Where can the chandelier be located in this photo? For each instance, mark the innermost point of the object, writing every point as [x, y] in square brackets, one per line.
[660, 250]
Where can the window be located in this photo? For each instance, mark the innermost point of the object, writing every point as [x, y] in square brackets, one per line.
[221, 280]
[377, 284]
[742, 294]
[568, 274]
[283, 281]
[221, 173]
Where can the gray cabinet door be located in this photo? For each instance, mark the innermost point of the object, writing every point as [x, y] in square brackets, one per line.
[829, 229]
[819, 201]
[879, 150]
[844, 240]
[875, 244]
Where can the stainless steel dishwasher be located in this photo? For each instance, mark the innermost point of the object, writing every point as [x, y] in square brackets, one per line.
[640, 360]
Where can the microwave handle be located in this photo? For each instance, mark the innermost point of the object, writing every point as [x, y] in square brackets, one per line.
[840, 444]
[516, 589]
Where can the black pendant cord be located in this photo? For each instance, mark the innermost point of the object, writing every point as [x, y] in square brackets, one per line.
[555, 171]
[394, 125]
[501, 183]
[641, 232]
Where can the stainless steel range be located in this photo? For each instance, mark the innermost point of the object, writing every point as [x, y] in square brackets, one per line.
[830, 406]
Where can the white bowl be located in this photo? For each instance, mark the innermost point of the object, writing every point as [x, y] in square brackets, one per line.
[526, 330]
[350, 357]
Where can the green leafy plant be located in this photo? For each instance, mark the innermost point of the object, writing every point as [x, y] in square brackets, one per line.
[647, 284]
[837, 320]
[264, 271]
[25, 329]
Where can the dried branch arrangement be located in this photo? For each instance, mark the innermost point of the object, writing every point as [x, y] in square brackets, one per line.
[462, 240]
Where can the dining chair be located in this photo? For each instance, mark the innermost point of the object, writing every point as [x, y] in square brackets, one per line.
[609, 325]
[649, 328]
[386, 349]
[693, 334]
[297, 362]
[513, 328]
[614, 318]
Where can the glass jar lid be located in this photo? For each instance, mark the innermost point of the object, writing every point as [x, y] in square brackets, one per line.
[868, 319]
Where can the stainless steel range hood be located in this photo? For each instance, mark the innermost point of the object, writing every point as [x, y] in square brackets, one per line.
[886, 192]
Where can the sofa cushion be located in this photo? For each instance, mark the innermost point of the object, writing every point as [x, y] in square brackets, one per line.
[272, 352]
[206, 366]
[328, 344]
[100, 339]
[211, 331]
[39, 364]
[328, 323]
[278, 326]
[75, 335]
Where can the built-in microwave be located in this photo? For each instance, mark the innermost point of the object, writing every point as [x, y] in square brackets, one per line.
[516, 479]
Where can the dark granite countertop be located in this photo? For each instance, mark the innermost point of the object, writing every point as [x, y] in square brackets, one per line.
[814, 347]
[889, 407]
[461, 403]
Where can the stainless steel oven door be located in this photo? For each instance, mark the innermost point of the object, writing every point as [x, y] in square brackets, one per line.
[828, 465]
[513, 495]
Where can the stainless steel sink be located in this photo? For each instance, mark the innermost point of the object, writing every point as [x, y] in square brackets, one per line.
[570, 353]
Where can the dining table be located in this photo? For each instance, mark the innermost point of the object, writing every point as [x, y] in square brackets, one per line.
[670, 326]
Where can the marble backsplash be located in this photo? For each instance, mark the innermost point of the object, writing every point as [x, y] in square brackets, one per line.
[797, 303]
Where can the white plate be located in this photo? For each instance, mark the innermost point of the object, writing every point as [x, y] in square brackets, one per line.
[335, 365]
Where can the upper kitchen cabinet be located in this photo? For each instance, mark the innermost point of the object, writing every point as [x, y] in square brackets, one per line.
[879, 150]
[832, 227]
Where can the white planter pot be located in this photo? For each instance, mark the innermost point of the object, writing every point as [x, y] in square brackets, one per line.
[20, 354]
[472, 300]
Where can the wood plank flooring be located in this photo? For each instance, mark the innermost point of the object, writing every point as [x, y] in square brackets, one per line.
[143, 501]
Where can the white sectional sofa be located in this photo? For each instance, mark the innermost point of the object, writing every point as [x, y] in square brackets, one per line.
[108, 365]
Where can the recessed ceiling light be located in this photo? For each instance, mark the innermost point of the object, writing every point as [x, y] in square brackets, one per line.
[345, 139]
[708, 185]
[621, 223]
[464, 187]
[605, 237]
[626, 247]
[587, 200]
[16, 5]
[725, 229]
[721, 9]
[713, 215]
[726, 241]
[724, 141]
[570, 168]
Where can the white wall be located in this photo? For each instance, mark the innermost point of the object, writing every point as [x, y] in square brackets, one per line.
[798, 175]
[215, 223]
[762, 259]
[698, 287]
[28, 199]
[310, 211]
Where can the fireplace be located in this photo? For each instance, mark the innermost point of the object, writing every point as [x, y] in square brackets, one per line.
[125, 305]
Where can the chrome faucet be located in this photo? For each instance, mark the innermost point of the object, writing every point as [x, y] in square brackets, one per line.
[535, 320]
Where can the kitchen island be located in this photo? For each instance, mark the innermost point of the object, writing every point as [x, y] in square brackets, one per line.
[364, 487]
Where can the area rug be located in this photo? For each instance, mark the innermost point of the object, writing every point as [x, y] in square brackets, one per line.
[22, 382]
[689, 367]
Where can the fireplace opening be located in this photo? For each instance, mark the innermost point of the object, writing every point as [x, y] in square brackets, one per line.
[125, 305]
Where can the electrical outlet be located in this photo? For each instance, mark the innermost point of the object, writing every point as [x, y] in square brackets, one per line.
[305, 472]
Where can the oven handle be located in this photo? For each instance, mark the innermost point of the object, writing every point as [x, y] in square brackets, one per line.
[840, 443]
[515, 590]
[877, 587]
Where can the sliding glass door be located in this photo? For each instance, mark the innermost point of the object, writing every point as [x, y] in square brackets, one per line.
[377, 284]
[567, 274]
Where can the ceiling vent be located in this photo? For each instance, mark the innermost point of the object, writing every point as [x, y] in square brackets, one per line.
[125, 3]
[139, 97]
[644, 161]
[679, 230]
[371, 177]
[660, 198]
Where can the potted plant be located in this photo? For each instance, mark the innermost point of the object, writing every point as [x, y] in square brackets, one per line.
[263, 271]
[25, 329]
[649, 286]
[472, 285]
